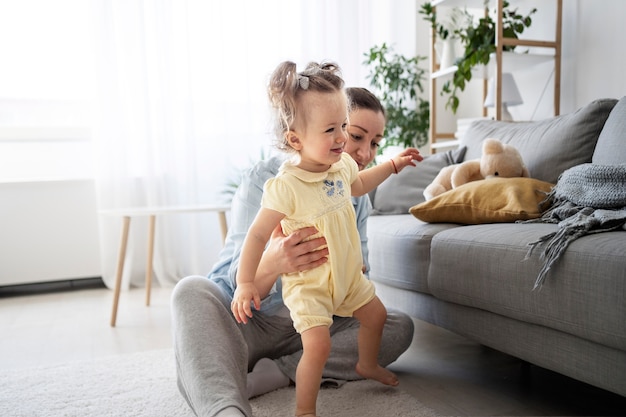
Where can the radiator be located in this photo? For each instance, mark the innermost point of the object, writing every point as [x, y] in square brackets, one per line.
[48, 231]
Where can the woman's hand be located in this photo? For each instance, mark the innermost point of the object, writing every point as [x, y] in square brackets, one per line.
[245, 294]
[287, 254]
[294, 253]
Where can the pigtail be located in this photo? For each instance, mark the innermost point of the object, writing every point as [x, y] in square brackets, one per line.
[281, 92]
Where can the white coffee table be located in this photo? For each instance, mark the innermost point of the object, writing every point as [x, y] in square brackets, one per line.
[152, 212]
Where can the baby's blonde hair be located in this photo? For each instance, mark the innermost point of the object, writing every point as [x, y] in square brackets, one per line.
[286, 86]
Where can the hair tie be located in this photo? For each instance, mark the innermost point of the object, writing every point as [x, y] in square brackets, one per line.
[303, 82]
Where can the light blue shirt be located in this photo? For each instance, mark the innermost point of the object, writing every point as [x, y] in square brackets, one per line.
[245, 205]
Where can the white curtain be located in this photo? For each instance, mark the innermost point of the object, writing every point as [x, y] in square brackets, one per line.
[182, 105]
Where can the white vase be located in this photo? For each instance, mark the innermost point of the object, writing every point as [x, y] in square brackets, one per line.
[447, 54]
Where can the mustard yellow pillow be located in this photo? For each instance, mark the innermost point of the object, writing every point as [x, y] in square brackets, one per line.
[493, 200]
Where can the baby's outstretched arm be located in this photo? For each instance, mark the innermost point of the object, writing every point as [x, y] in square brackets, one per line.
[405, 158]
[372, 177]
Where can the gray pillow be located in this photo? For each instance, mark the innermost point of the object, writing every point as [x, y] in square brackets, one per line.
[548, 146]
[611, 147]
[402, 191]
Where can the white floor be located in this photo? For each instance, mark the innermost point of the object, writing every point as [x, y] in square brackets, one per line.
[444, 371]
[74, 325]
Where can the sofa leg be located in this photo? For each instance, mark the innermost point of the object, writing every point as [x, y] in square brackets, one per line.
[525, 373]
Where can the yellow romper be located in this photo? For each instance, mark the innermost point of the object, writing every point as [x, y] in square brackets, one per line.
[321, 199]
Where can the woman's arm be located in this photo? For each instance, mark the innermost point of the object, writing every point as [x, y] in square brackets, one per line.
[287, 254]
[362, 208]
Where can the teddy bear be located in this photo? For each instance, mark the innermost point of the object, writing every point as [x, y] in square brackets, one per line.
[497, 160]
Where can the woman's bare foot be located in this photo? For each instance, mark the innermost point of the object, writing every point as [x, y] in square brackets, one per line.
[380, 374]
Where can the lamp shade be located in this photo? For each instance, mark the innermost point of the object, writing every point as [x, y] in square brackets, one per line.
[510, 93]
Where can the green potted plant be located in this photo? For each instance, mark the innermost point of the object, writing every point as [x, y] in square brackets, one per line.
[479, 42]
[447, 29]
[397, 81]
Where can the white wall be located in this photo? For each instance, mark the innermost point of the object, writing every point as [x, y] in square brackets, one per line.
[594, 44]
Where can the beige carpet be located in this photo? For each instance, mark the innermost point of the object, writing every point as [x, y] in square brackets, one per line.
[144, 384]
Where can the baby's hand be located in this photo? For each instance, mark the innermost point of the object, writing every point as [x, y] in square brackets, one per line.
[406, 158]
[244, 295]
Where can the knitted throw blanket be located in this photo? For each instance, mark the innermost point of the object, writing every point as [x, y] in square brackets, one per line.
[587, 198]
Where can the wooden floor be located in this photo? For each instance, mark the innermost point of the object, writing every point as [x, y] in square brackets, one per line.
[446, 372]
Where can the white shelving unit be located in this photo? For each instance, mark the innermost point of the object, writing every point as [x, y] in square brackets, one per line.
[500, 62]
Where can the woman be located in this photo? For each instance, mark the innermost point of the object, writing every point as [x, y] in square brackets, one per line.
[214, 354]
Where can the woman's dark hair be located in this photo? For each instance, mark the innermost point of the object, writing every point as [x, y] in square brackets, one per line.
[362, 98]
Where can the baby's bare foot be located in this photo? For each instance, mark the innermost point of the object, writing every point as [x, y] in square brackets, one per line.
[380, 374]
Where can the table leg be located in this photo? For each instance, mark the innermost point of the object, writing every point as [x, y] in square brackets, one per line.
[151, 228]
[223, 225]
[120, 268]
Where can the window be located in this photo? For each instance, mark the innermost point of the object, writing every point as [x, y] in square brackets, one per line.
[45, 89]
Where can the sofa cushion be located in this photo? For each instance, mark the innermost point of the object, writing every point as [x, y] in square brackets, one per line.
[493, 200]
[485, 267]
[611, 146]
[548, 146]
[402, 191]
[399, 250]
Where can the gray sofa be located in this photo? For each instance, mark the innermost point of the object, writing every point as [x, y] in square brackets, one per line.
[475, 279]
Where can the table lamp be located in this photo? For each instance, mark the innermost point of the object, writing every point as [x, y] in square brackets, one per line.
[510, 95]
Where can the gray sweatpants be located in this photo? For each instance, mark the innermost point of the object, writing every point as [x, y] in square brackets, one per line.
[214, 353]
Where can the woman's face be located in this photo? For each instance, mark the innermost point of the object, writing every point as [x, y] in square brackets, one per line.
[365, 131]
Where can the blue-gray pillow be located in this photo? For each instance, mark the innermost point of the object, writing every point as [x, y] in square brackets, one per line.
[611, 146]
[548, 146]
[402, 191]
